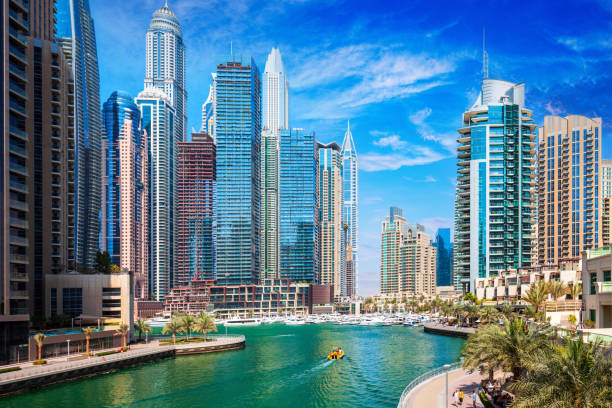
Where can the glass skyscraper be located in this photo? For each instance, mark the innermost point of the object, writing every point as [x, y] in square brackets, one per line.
[238, 132]
[157, 120]
[124, 227]
[350, 180]
[76, 35]
[297, 205]
[275, 116]
[495, 197]
[443, 262]
[165, 64]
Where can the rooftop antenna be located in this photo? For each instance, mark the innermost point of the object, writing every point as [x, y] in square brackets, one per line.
[166, 4]
[231, 50]
[485, 57]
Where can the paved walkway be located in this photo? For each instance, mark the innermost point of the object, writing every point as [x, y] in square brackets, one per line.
[431, 393]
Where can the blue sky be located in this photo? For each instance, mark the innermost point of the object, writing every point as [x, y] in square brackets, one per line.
[403, 72]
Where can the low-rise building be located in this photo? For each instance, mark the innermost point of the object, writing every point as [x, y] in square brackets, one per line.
[597, 286]
[272, 296]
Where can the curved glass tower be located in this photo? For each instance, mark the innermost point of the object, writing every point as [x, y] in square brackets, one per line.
[495, 197]
[165, 66]
[350, 179]
[124, 229]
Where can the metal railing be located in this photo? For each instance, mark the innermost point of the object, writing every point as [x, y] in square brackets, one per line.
[403, 402]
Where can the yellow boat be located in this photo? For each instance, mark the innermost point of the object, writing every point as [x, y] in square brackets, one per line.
[336, 354]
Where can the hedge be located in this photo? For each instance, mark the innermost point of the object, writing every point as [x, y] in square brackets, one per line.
[8, 370]
[40, 362]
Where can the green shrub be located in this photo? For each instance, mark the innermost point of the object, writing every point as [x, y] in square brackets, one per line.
[106, 353]
[485, 400]
[8, 370]
[40, 362]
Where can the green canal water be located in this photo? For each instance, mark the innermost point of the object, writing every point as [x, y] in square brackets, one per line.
[281, 366]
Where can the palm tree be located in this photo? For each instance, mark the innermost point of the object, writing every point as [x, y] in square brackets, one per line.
[506, 310]
[142, 327]
[173, 326]
[205, 323]
[575, 290]
[40, 338]
[557, 289]
[575, 374]
[123, 330]
[536, 295]
[88, 331]
[486, 314]
[508, 348]
[188, 322]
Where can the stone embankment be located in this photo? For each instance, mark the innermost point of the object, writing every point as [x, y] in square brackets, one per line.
[436, 328]
[64, 369]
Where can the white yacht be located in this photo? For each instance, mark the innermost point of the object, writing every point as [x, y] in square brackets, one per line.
[243, 322]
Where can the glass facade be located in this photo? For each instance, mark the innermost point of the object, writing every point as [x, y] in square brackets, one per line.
[72, 301]
[297, 205]
[350, 212]
[443, 261]
[238, 133]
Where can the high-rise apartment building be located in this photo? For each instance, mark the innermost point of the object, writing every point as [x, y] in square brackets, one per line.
[165, 64]
[37, 168]
[196, 238]
[606, 197]
[350, 179]
[76, 35]
[495, 196]
[569, 189]
[330, 224]
[297, 205]
[408, 259]
[238, 134]
[157, 121]
[208, 111]
[443, 247]
[124, 230]
[275, 116]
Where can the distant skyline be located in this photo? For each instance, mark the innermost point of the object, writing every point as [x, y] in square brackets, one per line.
[403, 73]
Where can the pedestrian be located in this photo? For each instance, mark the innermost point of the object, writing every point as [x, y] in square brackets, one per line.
[474, 399]
[456, 397]
[461, 397]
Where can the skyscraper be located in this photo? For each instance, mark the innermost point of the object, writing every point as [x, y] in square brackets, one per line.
[606, 198]
[195, 246]
[238, 132]
[569, 193]
[165, 65]
[443, 262]
[208, 111]
[330, 261]
[495, 196]
[275, 116]
[76, 35]
[350, 178]
[124, 229]
[408, 259]
[157, 121]
[297, 205]
[37, 167]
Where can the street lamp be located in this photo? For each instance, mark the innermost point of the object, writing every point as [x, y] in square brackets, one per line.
[446, 368]
[68, 341]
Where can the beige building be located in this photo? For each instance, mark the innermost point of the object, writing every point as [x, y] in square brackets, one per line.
[92, 297]
[408, 259]
[606, 197]
[329, 214]
[569, 197]
[597, 287]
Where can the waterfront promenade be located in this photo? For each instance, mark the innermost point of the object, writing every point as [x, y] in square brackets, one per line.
[59, 369]
[454, 331]
[431, 392]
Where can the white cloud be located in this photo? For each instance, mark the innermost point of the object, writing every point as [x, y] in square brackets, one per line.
[430, 179]
[432, 224]
[392, 141]
[414, 156]
[419, 120]
[594, 41]
[554, 108]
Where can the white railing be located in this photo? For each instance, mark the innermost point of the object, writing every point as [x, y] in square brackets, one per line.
[403, 402]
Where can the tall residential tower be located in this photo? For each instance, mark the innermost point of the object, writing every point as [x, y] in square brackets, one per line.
[165, 64]
[495, 196]
[350, 179]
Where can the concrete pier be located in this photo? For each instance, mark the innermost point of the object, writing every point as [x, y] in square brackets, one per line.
[452, 331]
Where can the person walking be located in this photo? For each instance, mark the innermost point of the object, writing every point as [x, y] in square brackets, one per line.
[461, 397]
[456, 397]
[474, 399]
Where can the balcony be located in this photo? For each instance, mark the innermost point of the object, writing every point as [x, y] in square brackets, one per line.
[606, 287]
[20, 205]
[17, 222]
[18, 132]
[19, 258]
[18, 186]
[19, 276]
[18, 293]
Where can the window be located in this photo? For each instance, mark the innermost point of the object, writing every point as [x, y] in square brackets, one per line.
[111, 291]
[606, 276]
[72, 301]
[593, 315]
[111, 303]
[593, 283]
[53, 301]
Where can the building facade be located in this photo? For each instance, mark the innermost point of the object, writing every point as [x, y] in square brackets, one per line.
[606, 197]
[208, 111]
[570, 206]
[297, 206]
[165, 64]
[157, 121]
[394, 233]
[196, 238]
[350, 211]
[444, 265]
[495, 196]
[597, 287]
[275, 116]
[76, 35]
[330, 262]
[238, 136]
[124, 228]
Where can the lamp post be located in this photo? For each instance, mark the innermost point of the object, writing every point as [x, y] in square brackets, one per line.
[446, 368]
[68, 341]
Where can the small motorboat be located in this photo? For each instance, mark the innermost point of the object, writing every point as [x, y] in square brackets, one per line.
[336, 354]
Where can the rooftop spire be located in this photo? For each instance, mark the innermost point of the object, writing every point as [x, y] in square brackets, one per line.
[485, 57]
[347, 144]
